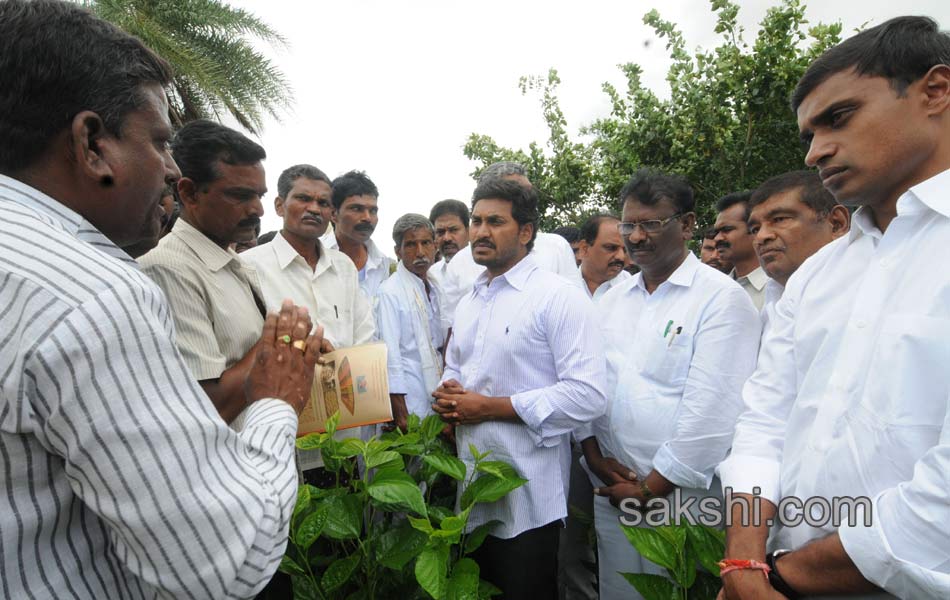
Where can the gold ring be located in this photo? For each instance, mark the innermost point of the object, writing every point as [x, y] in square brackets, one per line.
[284, 338]
[300, 345]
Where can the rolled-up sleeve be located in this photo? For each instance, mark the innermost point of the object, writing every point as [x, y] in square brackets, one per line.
[903, 546]
[578, 395]
[724, 352]
[768, 396]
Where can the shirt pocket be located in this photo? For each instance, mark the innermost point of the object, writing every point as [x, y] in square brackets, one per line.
[908, 378]
[667, 360]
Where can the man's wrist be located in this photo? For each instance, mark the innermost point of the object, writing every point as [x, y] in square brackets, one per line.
[776, 579]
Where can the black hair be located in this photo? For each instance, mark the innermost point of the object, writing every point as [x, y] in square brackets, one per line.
[901, 50]
[266, 237]
[808, 183]
[524, 201]
[709, 233]
[591, 227]
[648, 186]
[57, 60]
[353, 183]
[200, 144]
[285, 182]
[730, 200]
[450, 207]
[569, 232]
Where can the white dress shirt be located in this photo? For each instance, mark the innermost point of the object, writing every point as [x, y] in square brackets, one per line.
[773, 293]
[330, 291]
[677, 359]
[605, 286]
[377, 269]
[410, 323]
[551, 253]
[530, 335]
[439, 274]
[850, 397]
[118, 479]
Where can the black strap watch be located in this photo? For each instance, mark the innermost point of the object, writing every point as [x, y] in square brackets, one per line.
[781, 586]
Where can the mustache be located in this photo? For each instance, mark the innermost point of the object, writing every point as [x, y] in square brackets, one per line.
[484, 243]
[317, 218]
[722, 245]
[250, 222]
[364, 227]
[422, 260]
[615, 263]
[449, 244]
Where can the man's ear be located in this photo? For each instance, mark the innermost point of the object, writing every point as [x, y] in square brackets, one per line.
[525, 233]
[398, 252]
[89, 145]
[279, 206]
[582, 249]
[334, 216]
[840, 220]
[688, 222]
[187, 191]
[937, 87]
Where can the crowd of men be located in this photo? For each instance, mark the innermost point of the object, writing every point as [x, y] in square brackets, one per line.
[152, 376]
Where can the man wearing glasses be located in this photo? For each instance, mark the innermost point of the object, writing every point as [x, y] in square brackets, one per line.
[680, 340]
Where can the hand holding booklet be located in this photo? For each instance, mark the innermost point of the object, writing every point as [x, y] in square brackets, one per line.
[352, 381]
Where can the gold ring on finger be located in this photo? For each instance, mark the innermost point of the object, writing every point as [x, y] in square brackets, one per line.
[300, 345]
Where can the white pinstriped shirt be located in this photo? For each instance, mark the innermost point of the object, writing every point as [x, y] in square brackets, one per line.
[531, 335]
[118, 479]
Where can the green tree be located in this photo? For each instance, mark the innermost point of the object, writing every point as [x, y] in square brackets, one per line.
[208, 43]
[726, 125]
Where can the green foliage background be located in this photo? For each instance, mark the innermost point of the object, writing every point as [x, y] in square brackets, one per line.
[726, 126]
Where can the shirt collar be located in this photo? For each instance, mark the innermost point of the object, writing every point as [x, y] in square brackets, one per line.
[213, 256]
[286, 254]
[374, 256]
[930, 194]
[59, 215]
[757, 277]
[517, 276]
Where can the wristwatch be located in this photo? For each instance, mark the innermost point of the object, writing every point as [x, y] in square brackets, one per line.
[775, 580]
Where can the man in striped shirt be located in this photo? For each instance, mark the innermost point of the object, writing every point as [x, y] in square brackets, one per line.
[117, 477]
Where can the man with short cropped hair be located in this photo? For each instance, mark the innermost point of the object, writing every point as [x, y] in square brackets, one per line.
[850, 396]
[450, 219]
[709, 254]
[791, 216]
[735, 245]
[524, 368]
[572, 235]
[118, 478]
[216, 299]
[409, 319]
[602, 255]
[680, 339]
[355, 199]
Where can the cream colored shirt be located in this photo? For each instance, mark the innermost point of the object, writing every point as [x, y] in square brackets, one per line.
[330, 291]
[754, 285]
[209, 290]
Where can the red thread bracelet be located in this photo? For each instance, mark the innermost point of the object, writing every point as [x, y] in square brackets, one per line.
[733, 564]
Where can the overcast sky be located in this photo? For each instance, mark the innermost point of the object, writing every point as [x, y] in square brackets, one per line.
[395, 87]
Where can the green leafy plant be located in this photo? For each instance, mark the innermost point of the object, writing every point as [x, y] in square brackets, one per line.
[681, 550]
[391, 529]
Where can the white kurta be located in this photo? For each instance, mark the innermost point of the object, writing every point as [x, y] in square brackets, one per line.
[409, 321]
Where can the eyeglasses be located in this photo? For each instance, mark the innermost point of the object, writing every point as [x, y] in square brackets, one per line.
[651, 226]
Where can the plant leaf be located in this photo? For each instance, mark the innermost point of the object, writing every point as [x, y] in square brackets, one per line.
[303, 501]
[478, 535]
[499, 469]
[431, 567]
[489, 488]
[707, 545]
[422, 525]
[398, 546]
[446, 463]
[431, 428]
[290, 567]
[378, 458]
[345, 517]
[706, 587]
[486, 589]
[305, 589]
[463, 582]
[311, 441]
[339, 572]
[396, 489]
[653, 546]
[651, 587]
[311, 528]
